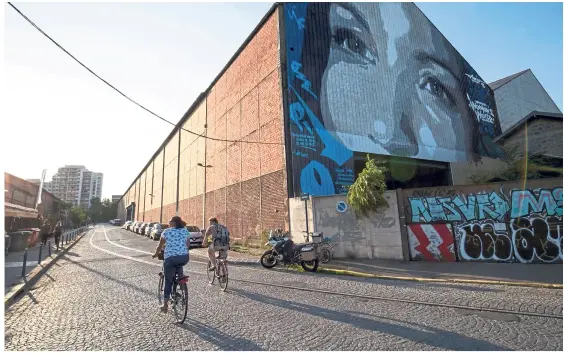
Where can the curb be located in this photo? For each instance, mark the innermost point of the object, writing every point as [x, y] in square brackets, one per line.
[435, 280]
[37, 272]
[352, 273]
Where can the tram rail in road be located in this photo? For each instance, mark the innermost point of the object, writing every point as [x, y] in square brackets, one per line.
[319, 291]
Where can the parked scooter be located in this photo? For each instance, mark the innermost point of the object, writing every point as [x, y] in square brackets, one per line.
[285, 251]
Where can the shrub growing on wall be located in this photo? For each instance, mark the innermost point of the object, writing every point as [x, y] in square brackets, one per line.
[366, 194]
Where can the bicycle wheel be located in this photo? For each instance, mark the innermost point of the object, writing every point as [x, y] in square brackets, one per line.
[224, 277]
[160, 289]
[181, 303]
[324, 255]
[211, 274]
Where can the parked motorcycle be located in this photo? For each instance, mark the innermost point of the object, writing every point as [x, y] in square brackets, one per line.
[288, 253]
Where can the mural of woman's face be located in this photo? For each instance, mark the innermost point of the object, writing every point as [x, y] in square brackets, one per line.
[392, 84]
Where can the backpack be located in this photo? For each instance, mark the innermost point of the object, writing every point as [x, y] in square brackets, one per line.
[221, 237]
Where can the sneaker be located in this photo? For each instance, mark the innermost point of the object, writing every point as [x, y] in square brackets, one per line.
[211, 269]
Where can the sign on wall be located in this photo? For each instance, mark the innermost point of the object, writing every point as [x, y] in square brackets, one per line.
[377, 78]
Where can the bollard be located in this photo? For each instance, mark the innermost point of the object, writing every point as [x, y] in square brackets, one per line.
[24, 263]
[49, 248]
[40, 253]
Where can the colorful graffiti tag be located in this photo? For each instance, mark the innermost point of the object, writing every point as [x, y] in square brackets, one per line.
[525, 227]
[377, 78]
[431, 242]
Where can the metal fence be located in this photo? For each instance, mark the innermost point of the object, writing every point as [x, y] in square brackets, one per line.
[65, 239]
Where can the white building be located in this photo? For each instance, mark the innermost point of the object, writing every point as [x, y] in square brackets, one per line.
[76, 185]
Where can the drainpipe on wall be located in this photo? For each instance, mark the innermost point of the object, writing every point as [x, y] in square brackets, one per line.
[162, 186]
[402, 225]
[178, 172]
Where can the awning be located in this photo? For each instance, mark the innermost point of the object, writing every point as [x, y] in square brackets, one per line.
[19, 211]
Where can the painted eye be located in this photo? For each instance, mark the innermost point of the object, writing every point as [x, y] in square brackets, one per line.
[351, 42]
[437, 89]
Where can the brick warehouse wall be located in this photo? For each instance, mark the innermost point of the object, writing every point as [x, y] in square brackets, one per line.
[245, 185]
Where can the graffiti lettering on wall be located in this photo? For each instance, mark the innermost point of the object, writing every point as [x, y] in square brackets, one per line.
[482, 206]
[348, 93]
[537, 239]
[484, 241]
[474, 207]
[433, 192]
[526, 227]
[431, 242]
[525, 202]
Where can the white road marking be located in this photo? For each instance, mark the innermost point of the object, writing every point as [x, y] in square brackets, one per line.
[135, 249]
[127, 248]
[145, 252]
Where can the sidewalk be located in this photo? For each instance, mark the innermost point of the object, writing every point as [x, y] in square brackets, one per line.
[455, 271]
[509, 273]
[14, 263]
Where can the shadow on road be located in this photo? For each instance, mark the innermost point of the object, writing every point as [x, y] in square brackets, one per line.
[119, 281]
[221, 339]
[399, 283]
[430, 336]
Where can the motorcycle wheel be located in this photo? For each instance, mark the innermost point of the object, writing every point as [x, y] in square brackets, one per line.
[310, 266]
[268, 260]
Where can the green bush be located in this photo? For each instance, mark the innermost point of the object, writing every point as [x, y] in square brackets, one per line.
[366, 194]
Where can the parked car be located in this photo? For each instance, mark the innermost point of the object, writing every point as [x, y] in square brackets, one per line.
[127, 224]
[158, 230]
[196, 236]
[136, 226]
[142, 228]
[117, 222]
[139, 226]
[149, 229]
[131, 225]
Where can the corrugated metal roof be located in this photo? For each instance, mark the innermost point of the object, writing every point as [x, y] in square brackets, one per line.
[497, 84]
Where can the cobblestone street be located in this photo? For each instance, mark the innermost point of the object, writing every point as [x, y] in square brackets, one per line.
[102, 296]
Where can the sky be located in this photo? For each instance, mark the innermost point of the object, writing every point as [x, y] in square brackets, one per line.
[165, 54]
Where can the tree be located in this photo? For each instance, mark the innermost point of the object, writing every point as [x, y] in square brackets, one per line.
[366, 194]
[77, 216]
[102, 211]
[95, 210]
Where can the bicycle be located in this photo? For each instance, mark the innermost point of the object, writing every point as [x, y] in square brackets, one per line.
[323, 248]
[220, 272]
[178, 300]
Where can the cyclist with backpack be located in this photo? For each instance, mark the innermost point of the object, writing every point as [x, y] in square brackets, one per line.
[218, 239]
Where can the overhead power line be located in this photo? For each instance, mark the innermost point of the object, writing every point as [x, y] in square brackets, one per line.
[127, 97]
